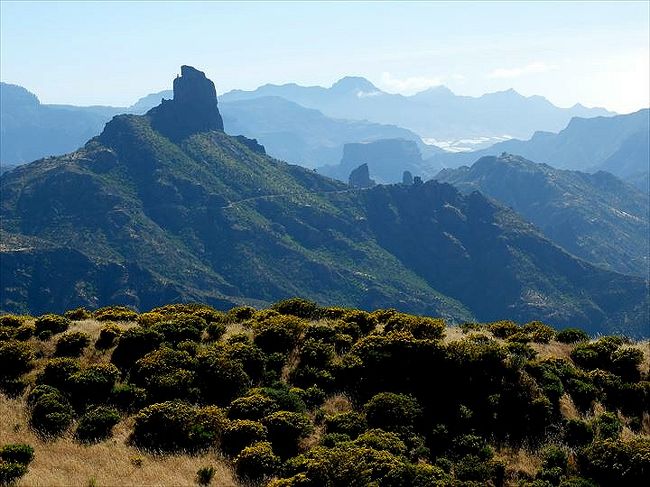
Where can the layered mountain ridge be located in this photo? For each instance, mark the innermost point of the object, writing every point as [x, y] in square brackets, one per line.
[143, 217]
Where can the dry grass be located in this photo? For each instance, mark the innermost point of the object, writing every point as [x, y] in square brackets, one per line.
[338, 403]
[568, 408]
[552, 349]
[521, 463]
[63, 462]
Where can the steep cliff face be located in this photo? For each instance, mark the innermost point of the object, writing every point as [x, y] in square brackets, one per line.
[193, 110]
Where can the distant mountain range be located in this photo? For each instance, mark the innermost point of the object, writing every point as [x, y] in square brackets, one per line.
[435, 113]
[616, 144]
[290, 132]
[166, 207]
[594, 216]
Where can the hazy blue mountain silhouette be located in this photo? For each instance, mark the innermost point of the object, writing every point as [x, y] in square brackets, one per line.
[594, 216]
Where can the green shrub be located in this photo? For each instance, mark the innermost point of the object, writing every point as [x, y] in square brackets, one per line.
[51, 324]
[174, 426]
[128, 397]
[615, 462]
[93, 384]
[215, 330]
[133, 344]
[115, 313]
[241, 433]
[278, 334]
[626, 362]
[350, 423]
[286, 429]
[58, 371]
[555, 457]
[71, 344]
[578, 433]
[315, 353]
[390, 411]
[219, 378]
[11, 472]
[107, 336]
[583, 393]
[78, 314]
[378, 439]
[504, 328]
[539, 332]
[571, 335]
[24, 332]
[16, 358]
[51, 413]
[204, 475]
[97, 424]
[12, 321]
[419, 326]
[254, 406]
[256, 462]
[181, 328]
[299, 307]
[17, 453]
[241, 313]
[607, 426]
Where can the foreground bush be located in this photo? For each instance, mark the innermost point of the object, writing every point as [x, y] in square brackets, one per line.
[16, 358]
[97, 424]
[615, 463]
[17, 453]
[71, 344]
[50, 324]
[256, 462]
[51, 413]
[176, 426]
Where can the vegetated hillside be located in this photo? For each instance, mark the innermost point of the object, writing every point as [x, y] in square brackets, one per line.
[387, 160]
[299, 394]
[434, 113]
[141, 216]
[617, 144]
[594, 216]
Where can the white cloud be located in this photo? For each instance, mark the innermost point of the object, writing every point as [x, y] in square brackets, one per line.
[410, 85]
[532, 68]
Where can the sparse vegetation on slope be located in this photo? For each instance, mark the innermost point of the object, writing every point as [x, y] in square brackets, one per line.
[299, 394]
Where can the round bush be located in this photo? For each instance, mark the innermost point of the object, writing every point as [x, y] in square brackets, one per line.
[24, 332]
[135, 343]
[219, 378]
[71, 344]
[539, 332]
[390, 411]
[115, 313]
[241, 433]
[571, 335]
[12, 321]
[278, 334]
[285, 429]
[51, 414]
[181, 328]
[378, 439]
[51, 324]
[350, 423]
[78, 314]
[11, 472]
[578, 433]
[128, 397]
[16, 358]
[241, 313]
[17, 453]
[256, 462]
[97, 424]
[107, 336]
[58, 371]
[299, 307]
[173, 426]
[254, 406]
[420, 327]
[93, 384]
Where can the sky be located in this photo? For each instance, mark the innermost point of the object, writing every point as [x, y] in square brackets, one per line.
[112, 53]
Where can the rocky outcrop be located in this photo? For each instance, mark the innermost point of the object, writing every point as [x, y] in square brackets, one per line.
[360, 177]
[192, 110]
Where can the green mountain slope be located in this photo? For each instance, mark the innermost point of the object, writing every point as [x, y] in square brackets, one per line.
[135, 218]
[594, 216]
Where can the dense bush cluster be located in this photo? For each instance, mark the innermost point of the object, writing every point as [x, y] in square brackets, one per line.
[301, 395]
[14, 460]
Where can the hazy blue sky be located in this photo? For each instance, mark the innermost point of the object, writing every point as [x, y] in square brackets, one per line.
[114, 52]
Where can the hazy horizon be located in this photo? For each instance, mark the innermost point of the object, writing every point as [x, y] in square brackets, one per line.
[592, 53]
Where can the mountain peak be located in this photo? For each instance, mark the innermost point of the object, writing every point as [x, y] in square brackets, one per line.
[192, 110]
[355, 84]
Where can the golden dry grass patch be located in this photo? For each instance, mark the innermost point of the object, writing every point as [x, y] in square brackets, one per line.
[64, 462]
